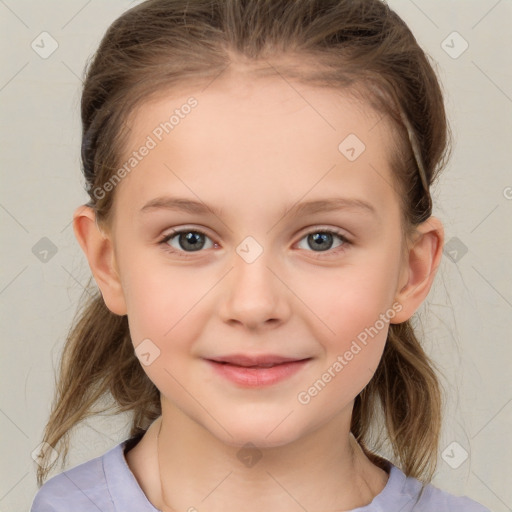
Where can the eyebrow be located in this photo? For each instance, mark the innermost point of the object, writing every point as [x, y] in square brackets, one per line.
[304, 208]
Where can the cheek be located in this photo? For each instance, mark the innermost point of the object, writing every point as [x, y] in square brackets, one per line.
[163, 307]
[358, 324]
[352, 313]
[346, 302]
[161, 298]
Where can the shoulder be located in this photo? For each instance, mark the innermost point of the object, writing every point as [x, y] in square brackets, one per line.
[433, 499]
[407, 494]
[83, 488]
[437, 500]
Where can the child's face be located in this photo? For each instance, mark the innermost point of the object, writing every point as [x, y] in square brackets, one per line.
[253, 150]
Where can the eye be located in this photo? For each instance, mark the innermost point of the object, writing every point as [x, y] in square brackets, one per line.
[322, 240]
[185, 241]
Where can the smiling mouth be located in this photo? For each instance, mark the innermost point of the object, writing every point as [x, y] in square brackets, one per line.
[246, 373]
[268, 365]
[256, 360]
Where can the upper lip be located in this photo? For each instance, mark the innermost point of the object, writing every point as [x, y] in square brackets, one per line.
[255, 360]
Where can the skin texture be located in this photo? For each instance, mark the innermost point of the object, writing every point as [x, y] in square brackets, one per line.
[253, 149]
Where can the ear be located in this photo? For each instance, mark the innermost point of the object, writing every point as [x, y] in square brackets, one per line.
[99, 250]
[420, 268]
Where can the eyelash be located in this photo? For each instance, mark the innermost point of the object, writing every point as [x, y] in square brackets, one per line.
[184, 254]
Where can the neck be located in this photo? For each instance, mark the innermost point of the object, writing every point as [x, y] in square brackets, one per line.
[199, 472]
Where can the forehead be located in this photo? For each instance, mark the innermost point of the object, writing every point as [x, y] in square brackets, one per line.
[265, 137]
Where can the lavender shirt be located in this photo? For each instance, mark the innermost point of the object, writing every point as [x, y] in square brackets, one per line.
[106, 484]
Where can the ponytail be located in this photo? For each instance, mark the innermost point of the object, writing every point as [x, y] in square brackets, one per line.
[98, 360]
[408, 392]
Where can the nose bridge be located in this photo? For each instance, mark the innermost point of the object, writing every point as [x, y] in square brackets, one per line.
[254, 293]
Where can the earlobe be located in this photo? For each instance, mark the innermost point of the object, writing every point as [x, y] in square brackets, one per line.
[424, 257]
[98, 249]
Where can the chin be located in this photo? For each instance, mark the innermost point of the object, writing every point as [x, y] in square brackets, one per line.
[266, 433]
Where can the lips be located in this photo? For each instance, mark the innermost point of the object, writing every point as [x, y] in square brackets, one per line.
[257, 370]
[262, 360]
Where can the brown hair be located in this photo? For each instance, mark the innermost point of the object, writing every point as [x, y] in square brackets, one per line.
[360, 46]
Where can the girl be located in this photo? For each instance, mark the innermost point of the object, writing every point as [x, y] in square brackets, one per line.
[224, 144]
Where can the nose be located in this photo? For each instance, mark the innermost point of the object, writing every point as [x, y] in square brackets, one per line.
[255, 294]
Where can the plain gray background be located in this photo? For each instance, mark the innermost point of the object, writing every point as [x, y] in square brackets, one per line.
[466, 321]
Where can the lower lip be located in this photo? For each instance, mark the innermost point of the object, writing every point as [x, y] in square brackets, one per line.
[257, 377]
